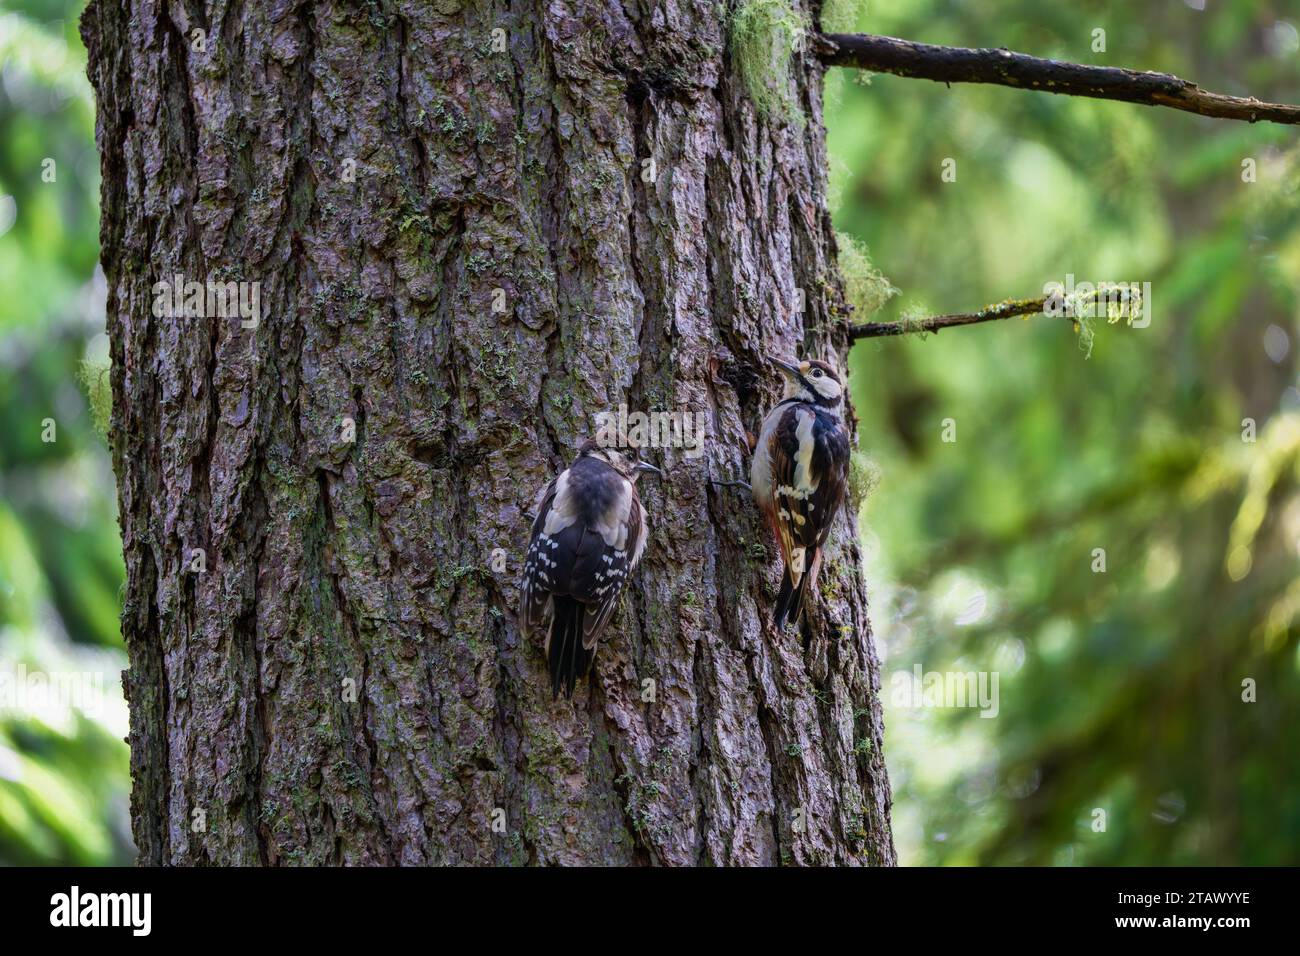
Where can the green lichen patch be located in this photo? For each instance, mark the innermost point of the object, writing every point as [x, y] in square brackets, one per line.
[94, 375]
[865, 286]
[765, 34]
[864, 476]
[842, 16]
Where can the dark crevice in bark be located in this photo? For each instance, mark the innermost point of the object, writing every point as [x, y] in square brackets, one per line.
[699, 752]
[344, 621]
[260, 731]
[622, 785]
[551, 213]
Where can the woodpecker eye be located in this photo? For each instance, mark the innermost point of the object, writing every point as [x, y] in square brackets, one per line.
[817, 373]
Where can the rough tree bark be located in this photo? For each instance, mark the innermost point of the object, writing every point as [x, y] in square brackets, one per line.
[227, 155]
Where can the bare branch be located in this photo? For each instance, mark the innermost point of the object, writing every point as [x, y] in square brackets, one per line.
[935, 323]
[946, 64]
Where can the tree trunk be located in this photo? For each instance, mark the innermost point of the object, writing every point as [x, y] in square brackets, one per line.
[463, 256]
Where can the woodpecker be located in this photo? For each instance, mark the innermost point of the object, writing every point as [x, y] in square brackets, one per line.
[588, 536]
[799, 474]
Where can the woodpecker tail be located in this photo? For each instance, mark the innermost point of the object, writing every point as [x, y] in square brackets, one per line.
[569, 660]
[789, 600]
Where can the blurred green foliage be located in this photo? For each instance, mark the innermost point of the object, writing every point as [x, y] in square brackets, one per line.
[63, 762]
[1119, 691]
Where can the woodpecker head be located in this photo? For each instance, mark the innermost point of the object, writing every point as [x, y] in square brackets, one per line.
[626, 465]
[811, 381]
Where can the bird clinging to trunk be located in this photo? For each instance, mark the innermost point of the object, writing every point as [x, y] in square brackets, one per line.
[587, 538]
[799, 474]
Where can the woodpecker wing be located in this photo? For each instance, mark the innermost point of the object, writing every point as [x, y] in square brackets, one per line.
[536, 605]
[831, 462]
[793, 483]
[611, 573]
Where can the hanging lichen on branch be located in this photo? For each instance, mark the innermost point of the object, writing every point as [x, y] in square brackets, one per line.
[865, 287]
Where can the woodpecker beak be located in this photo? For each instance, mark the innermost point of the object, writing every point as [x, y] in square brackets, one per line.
[784, 366]
[644, 466]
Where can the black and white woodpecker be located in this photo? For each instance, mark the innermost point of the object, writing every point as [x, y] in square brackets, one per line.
[799, 474]
[588, 536]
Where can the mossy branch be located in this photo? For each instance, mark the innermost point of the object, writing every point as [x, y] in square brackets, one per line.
[936, 323]
[947, 64]
[1116, 301]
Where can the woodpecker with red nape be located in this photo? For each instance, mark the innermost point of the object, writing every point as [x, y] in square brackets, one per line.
[588, 536]
[799, 474]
